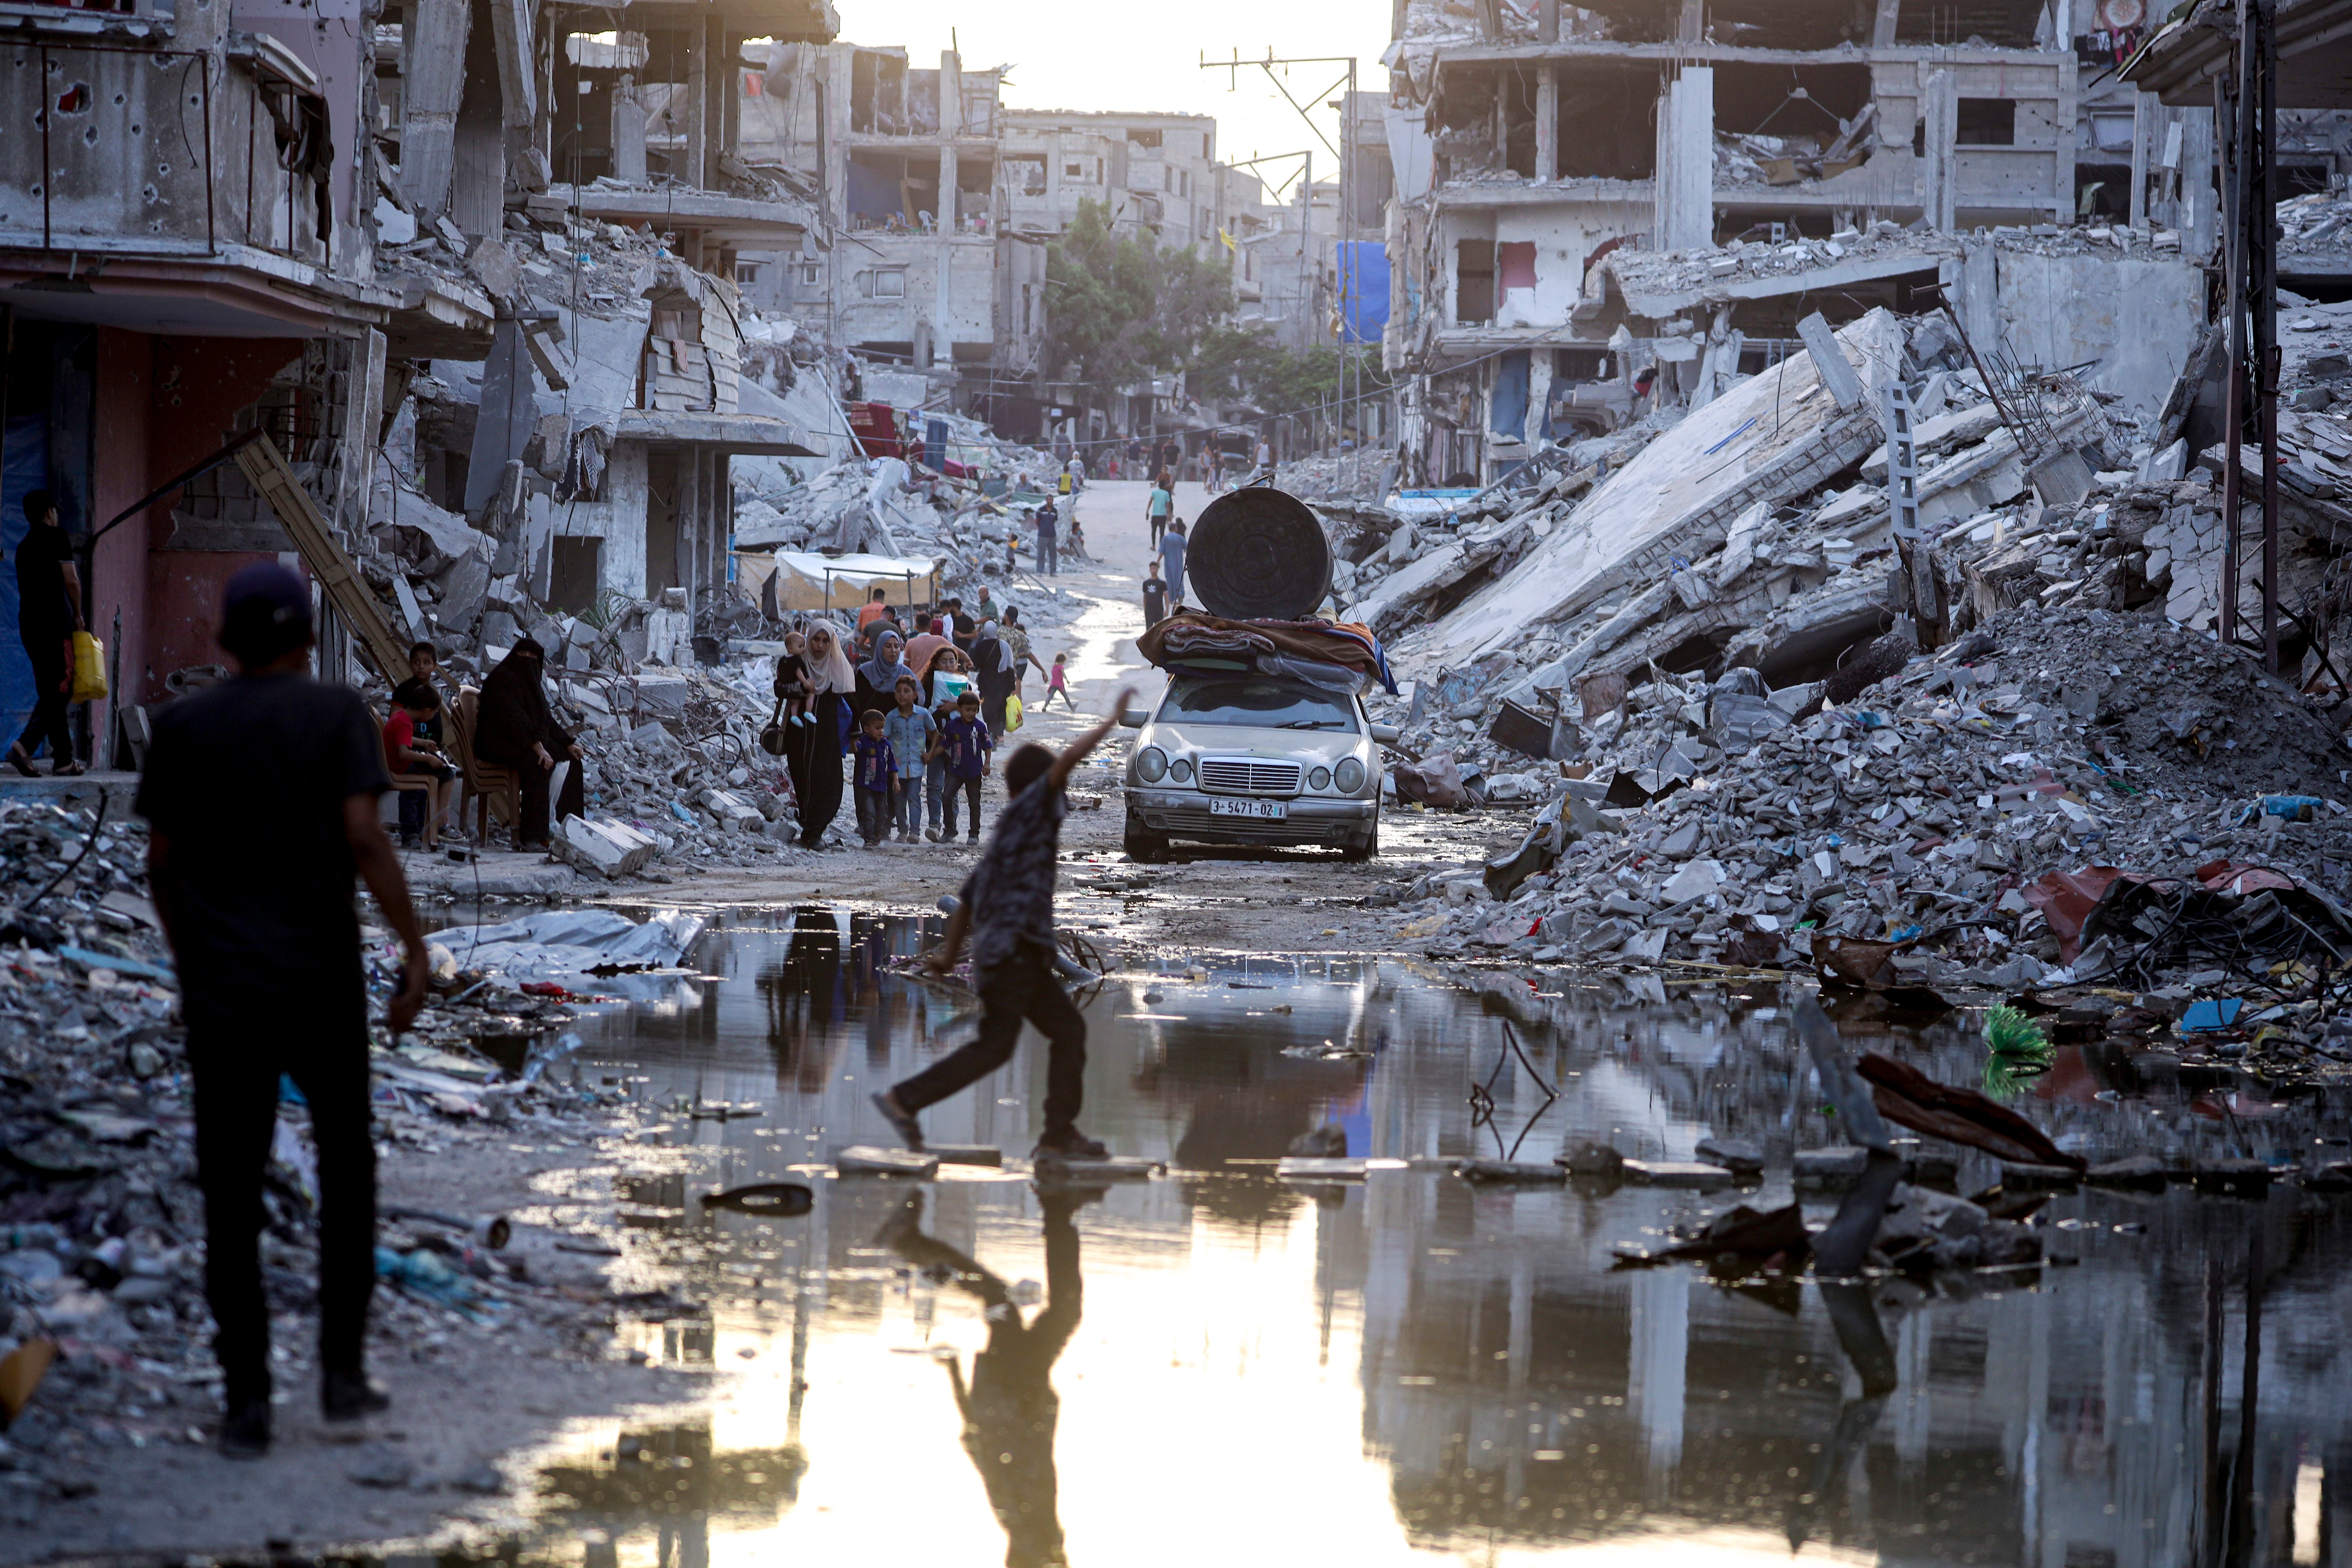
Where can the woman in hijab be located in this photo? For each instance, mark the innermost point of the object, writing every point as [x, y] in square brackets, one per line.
[514, 728]
[813, 754]
[992, 664]
[879, 677]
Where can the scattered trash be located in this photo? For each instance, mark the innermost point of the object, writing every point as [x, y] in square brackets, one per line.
[782, 1199]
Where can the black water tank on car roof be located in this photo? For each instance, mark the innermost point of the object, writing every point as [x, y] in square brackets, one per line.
[1258, 553]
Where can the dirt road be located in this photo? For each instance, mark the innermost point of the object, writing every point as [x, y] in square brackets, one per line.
[1265, 900]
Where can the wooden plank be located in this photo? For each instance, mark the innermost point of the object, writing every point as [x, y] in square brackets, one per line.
[266, 471]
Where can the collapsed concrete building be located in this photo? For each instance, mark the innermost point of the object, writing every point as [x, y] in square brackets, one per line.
[382, 239]
[906, 163]
[1788, 159]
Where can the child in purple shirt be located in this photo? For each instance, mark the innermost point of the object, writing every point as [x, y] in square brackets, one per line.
[966, 743]
[877, 774]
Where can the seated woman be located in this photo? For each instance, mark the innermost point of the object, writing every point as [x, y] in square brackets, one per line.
[514, 728]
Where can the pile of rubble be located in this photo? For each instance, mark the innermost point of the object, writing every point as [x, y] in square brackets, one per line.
[1924, 804]
[103, 1325]
[1356, 475]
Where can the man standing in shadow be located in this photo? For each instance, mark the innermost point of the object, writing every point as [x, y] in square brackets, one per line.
[1010, 1409]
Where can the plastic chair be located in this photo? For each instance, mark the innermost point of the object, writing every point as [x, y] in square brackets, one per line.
[493, 787]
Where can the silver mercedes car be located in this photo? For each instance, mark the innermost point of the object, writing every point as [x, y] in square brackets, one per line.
[1254, 760]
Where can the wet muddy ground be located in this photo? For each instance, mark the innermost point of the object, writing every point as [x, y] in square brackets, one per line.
[1220, 1364]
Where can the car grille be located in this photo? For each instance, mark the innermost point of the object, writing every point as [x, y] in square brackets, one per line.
[1241, 775]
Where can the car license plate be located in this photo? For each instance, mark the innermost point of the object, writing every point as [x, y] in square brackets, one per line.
[1275, 809]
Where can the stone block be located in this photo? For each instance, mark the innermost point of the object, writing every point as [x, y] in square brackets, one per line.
[604, 850]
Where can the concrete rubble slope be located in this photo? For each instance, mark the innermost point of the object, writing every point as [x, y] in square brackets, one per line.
[1772, 438]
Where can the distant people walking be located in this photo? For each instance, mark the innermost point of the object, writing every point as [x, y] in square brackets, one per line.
[813, 753]
[1155, 596]
[1160, 508]
[878, 777]
[964, 746]
[251, 865]
[992, 666]
[911, 729]
[48, 612]
[1172, 560]
[1006, 907]
[1058, 684]
[1048, 559]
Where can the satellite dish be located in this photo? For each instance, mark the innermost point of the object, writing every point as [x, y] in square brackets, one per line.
[2122, 15]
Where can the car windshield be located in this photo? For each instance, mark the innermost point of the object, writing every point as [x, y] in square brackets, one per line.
[1256, 704]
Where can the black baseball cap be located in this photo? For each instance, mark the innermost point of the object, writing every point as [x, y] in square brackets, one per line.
[265, 612]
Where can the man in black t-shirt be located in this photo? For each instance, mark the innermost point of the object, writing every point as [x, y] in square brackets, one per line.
[48, 612]
[261, 798]
[961, 629]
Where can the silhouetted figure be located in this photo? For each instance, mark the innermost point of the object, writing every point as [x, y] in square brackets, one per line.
[1010, 1408]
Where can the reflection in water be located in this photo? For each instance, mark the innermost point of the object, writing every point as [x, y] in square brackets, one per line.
[1409, 1367]
[1010, 1410]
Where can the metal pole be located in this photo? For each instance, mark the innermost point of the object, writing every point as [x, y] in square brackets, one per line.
[2234, 99]
[2262, 282]
[47, 170]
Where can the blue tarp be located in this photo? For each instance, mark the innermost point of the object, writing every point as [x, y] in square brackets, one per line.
[24, 466]
[1510, 405]
[1363, 290]
[935, 445]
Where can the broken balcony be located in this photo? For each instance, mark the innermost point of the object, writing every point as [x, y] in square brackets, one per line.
[211, 197]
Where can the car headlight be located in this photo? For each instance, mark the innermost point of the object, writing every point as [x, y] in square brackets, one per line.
[1319, 779]
[1150, 764]
[1350, 775]
[1181, 771]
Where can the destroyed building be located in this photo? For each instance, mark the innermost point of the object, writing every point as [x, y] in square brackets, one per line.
[1587, 194]
[932, 280]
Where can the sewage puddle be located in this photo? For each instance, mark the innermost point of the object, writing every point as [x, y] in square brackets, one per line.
[1222, 1365]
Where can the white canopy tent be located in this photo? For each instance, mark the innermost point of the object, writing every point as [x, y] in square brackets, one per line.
[808, 582]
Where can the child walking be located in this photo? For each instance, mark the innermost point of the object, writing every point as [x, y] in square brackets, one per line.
[965, 744]
[1058, 684]
[1007, 911]
[878, 777]
[907, 727]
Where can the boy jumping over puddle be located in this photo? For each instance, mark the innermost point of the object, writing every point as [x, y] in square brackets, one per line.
[1006, 907]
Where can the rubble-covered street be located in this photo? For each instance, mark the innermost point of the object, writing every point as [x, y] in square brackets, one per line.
[1614, 819]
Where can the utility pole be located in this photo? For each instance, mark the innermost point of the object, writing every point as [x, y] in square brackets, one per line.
[1343, 217]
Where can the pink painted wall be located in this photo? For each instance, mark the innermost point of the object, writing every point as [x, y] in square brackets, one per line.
[198, 385]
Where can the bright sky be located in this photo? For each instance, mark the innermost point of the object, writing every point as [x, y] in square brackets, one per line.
[1082, 54]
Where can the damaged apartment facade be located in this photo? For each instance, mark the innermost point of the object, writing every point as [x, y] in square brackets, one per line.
[1586, 194]
[906, 166]
[497, 343]
[185, 252]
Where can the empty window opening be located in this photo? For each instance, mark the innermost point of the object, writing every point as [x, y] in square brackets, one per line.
[1987, 122]
[1473, 283]
[573, 574]
[1027, 175]
[1581, 364]
[1791, 23]
[888, 285]
[1788, 101]
[1608, 122]
[1989, 24]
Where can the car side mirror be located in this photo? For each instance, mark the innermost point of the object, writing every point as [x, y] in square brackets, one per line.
[1387, 734]
[1136, 717]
